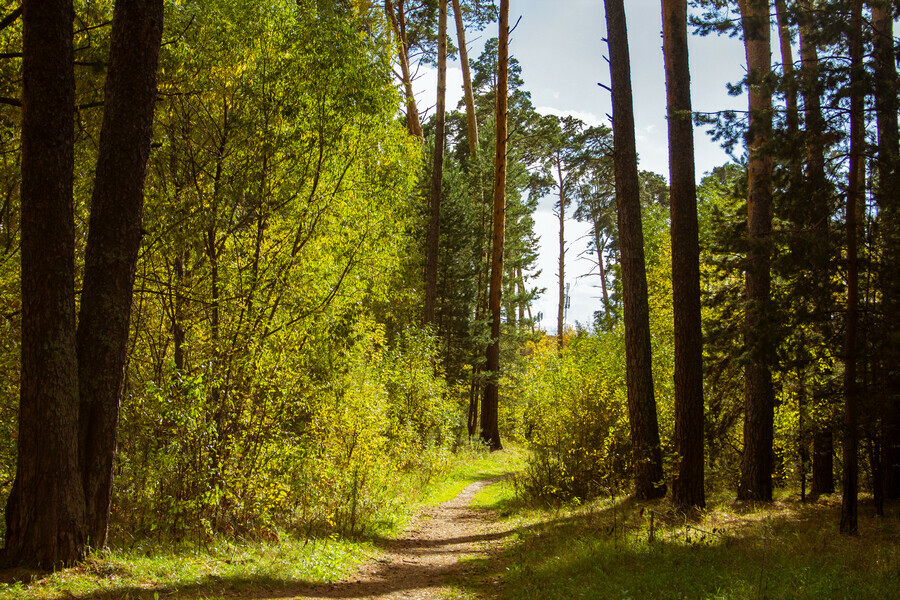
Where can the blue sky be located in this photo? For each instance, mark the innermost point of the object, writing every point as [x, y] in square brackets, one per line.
[559, 44]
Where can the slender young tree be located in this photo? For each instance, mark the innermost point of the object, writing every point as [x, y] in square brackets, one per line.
[561, 307]
[114, 239]
[490, 432]
[647, 454]
[759, 417]
[687, 488]
[855, 190]
[45, 510]
[432, 244]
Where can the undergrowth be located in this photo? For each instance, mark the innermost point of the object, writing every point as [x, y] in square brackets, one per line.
[224, 567]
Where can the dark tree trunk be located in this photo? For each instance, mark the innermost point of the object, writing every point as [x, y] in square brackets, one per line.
[561, 308]
[757, 461]
[855, 189]
[823, 463]
[687, 488]
[471, 120]
[114, 239]
[647, 455]
[817, 213]
[792, 117]
[432, 244]
[490, 432]
[45, 510]
[889, 216]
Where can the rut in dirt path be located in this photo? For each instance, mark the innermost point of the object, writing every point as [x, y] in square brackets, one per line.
[424, 561]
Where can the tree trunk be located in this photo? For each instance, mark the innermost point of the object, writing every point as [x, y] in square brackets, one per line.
[471, 120]
[560, 311]
[823, 463]
[397, 20]
[757, 461]
[113, 243]
[598, 243]
[889, 225]
[432, 245]
[792, 117]
[490, 432]
[646, 450]
[687, 488]
[855, 190]
[45, 510]
[818, 214]
[520, 287]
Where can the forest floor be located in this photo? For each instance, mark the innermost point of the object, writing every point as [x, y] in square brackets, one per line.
[433, 559]
[439, 554]
[476, 539]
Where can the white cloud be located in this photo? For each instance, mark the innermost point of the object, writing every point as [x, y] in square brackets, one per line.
[589, 118]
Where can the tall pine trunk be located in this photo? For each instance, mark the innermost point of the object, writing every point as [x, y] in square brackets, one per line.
[397, 17]
[855, 190]
[817, 218]
[647, 455]
[45, 510]
[757, 461]
[888, 163]
[468, 94]
[114, 239]
[687, 488]
[561, 308]
[432, 244]
[490, 432]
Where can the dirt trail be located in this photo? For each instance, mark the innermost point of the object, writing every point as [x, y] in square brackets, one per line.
[424, 561]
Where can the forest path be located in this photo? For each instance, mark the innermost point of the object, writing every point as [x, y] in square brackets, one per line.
[425, 561]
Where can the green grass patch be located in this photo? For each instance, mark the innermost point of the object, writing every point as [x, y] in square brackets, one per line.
[474, 465]
[620, 549]
[235, 568]
[222, 570]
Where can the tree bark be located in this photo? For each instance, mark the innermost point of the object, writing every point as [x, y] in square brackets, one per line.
[818, 214]
[757, 461]
[113, 243]
[886, 108]
[792, 116]
[490, 432]
[471, 120]
[397, 20]
[561, 308]
[855, 190]
[687, 488]
[646, 451]
[45, 510]
[432, 245]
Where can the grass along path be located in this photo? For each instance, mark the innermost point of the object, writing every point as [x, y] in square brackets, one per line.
[295, 568]
[620, 549]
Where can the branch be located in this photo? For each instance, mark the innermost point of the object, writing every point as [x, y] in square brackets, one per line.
[10, 18]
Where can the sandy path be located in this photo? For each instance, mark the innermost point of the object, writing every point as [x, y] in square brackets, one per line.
[424, 560]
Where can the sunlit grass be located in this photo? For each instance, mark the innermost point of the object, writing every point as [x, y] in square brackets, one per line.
[219, 569]
[619, 549]
[229, 568]
[476, 465]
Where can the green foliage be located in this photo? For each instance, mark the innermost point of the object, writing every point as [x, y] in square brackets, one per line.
[574, 418]
[570, 405]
